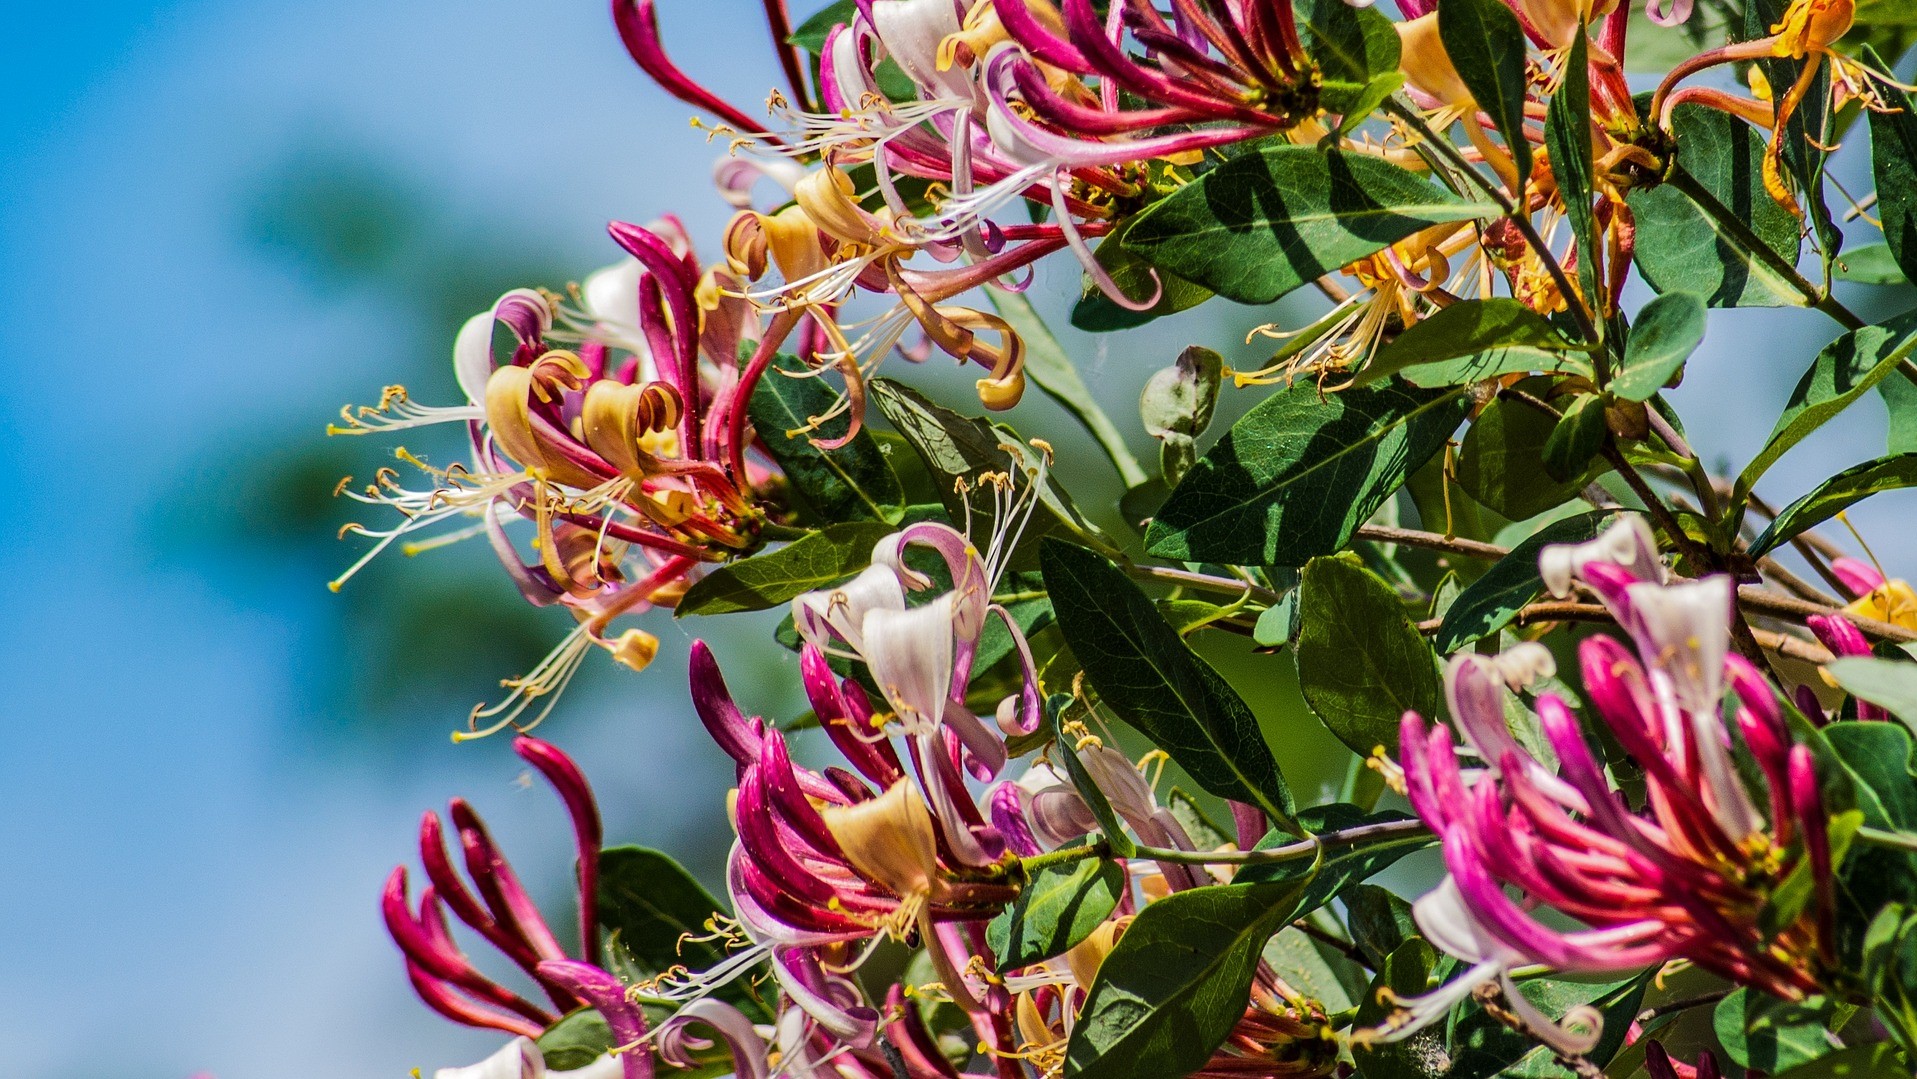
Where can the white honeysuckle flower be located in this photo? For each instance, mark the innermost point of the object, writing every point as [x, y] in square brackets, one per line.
[1627, 544]
[520, 1059]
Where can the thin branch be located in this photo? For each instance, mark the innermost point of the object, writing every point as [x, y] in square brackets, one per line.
[1433, 541]
[1204, 582]
[1776, 604]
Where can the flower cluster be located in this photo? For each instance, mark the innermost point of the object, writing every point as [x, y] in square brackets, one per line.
[988, 846]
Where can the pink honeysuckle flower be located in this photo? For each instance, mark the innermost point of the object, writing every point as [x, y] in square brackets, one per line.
[1659, 1065]
[616, 429]
[1683, 876]
[492, 903]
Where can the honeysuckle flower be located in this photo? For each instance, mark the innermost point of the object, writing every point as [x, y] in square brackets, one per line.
[521, 1059]
[1807, 32]
[607, 431]
[495, 906]
[1684, 875]
[921, 657]
[825, 859]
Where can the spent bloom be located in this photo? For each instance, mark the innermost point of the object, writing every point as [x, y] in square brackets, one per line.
[1685, 874]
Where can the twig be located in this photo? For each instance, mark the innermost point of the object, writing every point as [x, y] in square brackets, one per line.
[1342, 947]
[1432, 541]
[1786, 645]
[1686, 1004]
[1805, 590]
[1764, 601]
[1204, 582]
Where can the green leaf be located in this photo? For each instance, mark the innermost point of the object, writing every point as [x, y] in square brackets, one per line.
[1889, 684]
[1379, 920]
[1501, 462]
[1900, 400]
[1406, 971]
[1058, 907]
[1096, 313]
[1484, 1047]
[1116, 838]
[1493, 600]
[1872, 264]
[1267, 222]
[1361, 663]
[655, 914]
[768, 580]
[1177, 982]
[1298, 474]
[1147, 674]
[1204, 832]
[851, 483]
[1844, 371]
[1875, 760]
[1467, 328]
[576, 1040]
[1487, 47]
[1340, 866]
[1053, 371]
[810, 35]
[1878, 1059]
[1668, 330]
[1497, 363]
[1576, 439]
[1771, 1035]
[956, 447]
[1834, 496]
[1354, 49]
[1567, 137]
[1685, 249]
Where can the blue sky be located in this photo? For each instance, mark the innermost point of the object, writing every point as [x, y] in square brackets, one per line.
[189, 874]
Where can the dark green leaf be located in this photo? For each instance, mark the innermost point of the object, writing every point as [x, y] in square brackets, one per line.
[576, 1040]
[1058, 907]
[1178, 981]
[1805, 136]
[1361, 663]
[1668, 330]
[1204, 832]
[1265, 223]
[1096, 312]
[1147, 674]
[957, 447]
[1844, 371]
[1338, 867]
[1116, 837]
[1484, 1047]
[768, 580]
[1567, 137]
[1468, 328]
[851, 483]
[1406, 972]
[810, 35]
[1299, 473]
[1501, 463]
[1834, 496]
[1353, 48]
[655, 914]
[1858, 1062]
[1875, 759]
[1380, 921]
[1491, 601]
[1685, 249]
[1495, 364]
[1487, 47]
[1576, 439]
[1771, 1035]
